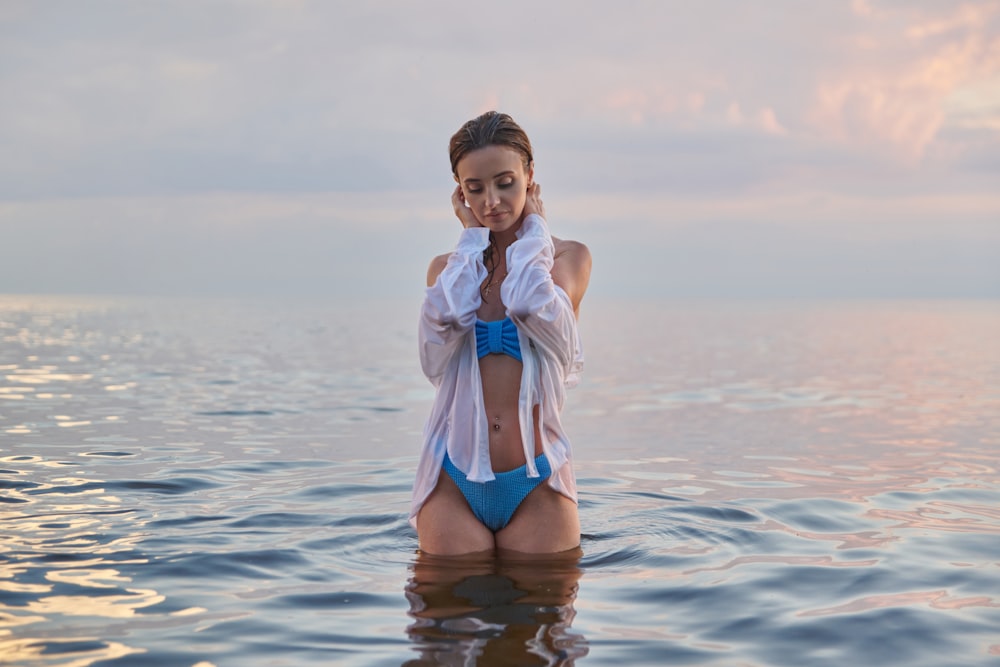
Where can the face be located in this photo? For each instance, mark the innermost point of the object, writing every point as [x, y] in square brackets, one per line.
[495, 184]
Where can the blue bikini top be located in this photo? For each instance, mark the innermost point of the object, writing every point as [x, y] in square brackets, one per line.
[497, 337]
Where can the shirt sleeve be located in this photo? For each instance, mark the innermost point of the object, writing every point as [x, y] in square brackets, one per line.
[450, 304]
[535, 303]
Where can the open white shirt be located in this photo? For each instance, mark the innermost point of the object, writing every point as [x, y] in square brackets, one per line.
[551, 353]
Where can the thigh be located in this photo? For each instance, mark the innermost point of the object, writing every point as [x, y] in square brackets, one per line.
[545, 522]
[446, 525]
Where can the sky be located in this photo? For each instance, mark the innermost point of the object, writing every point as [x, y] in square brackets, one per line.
[832, 148]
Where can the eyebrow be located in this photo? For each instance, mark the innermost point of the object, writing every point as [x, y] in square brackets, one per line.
[509, 172]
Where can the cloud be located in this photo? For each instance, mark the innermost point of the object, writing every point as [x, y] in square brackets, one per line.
[371, 92]
[894, 92]
[310, 117]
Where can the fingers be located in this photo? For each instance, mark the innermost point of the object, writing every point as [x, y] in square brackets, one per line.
[535, 193]
[533, 202]
[463, 212]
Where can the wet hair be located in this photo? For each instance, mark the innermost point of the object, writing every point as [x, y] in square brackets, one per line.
[490, 129]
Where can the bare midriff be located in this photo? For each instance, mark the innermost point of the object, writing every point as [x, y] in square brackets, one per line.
[501, 375]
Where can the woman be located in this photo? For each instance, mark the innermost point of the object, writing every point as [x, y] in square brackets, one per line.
[499, 341]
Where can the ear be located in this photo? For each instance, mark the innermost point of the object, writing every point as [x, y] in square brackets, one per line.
[531, 173]
[455, 176]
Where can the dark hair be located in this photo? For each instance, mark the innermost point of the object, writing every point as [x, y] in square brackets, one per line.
[490, 129]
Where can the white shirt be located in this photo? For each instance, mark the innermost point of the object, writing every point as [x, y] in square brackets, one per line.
[551, 353]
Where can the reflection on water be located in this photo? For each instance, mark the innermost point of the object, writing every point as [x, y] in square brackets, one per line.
[511, 610]
[62, 560]
[198, 483]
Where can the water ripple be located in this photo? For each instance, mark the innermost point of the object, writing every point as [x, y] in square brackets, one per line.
[185, 483]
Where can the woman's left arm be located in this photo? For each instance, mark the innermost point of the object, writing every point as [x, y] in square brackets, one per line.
[543, 292]
[571, 261]
[571, 271]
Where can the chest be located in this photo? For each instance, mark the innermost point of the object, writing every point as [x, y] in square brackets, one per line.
[492, 308]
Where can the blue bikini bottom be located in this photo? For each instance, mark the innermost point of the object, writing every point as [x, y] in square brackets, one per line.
[495, 502]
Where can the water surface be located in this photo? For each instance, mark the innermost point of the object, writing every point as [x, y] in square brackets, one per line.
[194, 482]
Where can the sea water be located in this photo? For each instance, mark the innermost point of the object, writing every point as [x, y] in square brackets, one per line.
[223, 482]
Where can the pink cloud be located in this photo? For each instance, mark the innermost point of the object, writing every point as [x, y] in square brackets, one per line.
[899, 103]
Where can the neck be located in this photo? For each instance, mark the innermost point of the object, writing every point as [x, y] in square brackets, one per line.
[503, 240]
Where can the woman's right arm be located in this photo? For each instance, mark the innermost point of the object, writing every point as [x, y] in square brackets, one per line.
[451, 301]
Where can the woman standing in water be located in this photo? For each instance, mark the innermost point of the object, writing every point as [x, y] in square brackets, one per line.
[499, 341]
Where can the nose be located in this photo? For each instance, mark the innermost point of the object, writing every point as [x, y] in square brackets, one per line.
[492, 198]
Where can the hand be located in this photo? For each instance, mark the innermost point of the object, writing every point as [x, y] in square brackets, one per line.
[533, 203]
[464, 213]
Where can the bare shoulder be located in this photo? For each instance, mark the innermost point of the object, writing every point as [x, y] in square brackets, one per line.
[436, 267]
[571, 251]
[571, 268]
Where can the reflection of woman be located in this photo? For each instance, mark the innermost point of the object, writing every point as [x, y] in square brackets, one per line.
[486, 611]
[499, 341]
